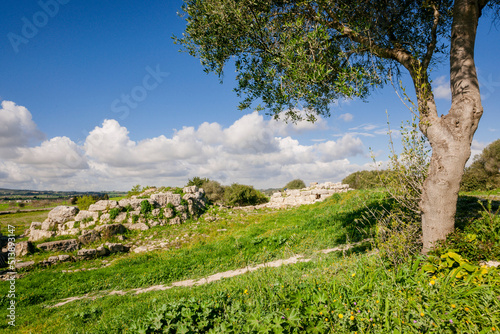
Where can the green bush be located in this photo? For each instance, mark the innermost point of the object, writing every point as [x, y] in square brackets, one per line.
[242, 195]
[295, 184]
[365, 179]
[399, 227]
[214, 191]
[113, 213]
[136, 190]
[479, 240]
[484, 173]
[197, 181]
[84, 202]
[146, 207]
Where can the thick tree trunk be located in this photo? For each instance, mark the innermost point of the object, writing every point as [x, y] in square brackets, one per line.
[450, 136]
[440, 192]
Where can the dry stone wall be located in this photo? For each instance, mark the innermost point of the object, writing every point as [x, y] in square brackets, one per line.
[312, 194]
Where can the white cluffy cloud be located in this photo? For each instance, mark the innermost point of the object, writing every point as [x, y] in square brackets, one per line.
[442, 88]
[252, 150]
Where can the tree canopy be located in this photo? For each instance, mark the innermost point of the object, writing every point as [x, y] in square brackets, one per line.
[302, 55]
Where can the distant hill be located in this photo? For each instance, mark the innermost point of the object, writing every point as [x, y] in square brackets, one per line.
[9, 194]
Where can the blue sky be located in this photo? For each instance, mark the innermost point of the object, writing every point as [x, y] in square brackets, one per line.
[95, 96]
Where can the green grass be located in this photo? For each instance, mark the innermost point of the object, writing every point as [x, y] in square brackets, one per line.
[21, 220]
[306, 297]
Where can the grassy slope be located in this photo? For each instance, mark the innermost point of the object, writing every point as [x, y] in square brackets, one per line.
[308, 297]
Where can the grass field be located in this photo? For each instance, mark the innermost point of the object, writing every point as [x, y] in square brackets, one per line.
[346, 292]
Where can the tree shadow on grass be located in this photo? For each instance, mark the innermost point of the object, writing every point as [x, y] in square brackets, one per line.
[360, 224]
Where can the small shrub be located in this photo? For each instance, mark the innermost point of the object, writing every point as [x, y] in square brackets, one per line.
[295, 184]
[399, 228]
[113, 213]
[146, 207]
[241, 195]
[477, 241]
[197, 181]
[135, 219]
[84, 202]
[136, 190]
[214, 191]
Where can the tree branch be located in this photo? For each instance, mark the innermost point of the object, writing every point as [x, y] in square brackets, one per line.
[432, 45]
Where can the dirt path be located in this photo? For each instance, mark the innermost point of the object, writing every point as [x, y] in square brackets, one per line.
[216, 277]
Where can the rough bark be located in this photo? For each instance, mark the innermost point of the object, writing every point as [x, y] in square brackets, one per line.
[451, 135]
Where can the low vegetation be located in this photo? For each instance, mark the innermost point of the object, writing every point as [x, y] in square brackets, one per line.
[344, 291]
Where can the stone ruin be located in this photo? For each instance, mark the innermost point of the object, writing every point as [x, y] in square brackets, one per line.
[167, 208]
[105, 219]
[312, 194]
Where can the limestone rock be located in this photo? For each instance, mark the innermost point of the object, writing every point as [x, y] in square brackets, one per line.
[53, 259]
[60, 245]
[65, 258]
[36, 235]
[101, 251]
[103, 205]
[24, 248]
[109, 230]
[122, 216]
[87, 253]
[137, 226]
[35, 225]
[175, 221]
[25, 265]
[89, 236]
[117, 248]
[62, 214]
[85, 214]
[49, 225]
[190, 190]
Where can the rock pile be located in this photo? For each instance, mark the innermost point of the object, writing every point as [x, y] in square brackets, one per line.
[312, 194]
[107, 217]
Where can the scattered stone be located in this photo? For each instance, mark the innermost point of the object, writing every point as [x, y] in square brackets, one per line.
[175, 221]
[117, 248]
[65, 258]
[53, 259]
[25, 265]
[87, 253]
[137, 226]
[140, 249]
[102, 251]
[60, 245]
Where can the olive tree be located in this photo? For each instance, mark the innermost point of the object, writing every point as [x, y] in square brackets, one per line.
[302, 55]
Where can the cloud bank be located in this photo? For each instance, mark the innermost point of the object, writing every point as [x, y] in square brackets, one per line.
[252, 150]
